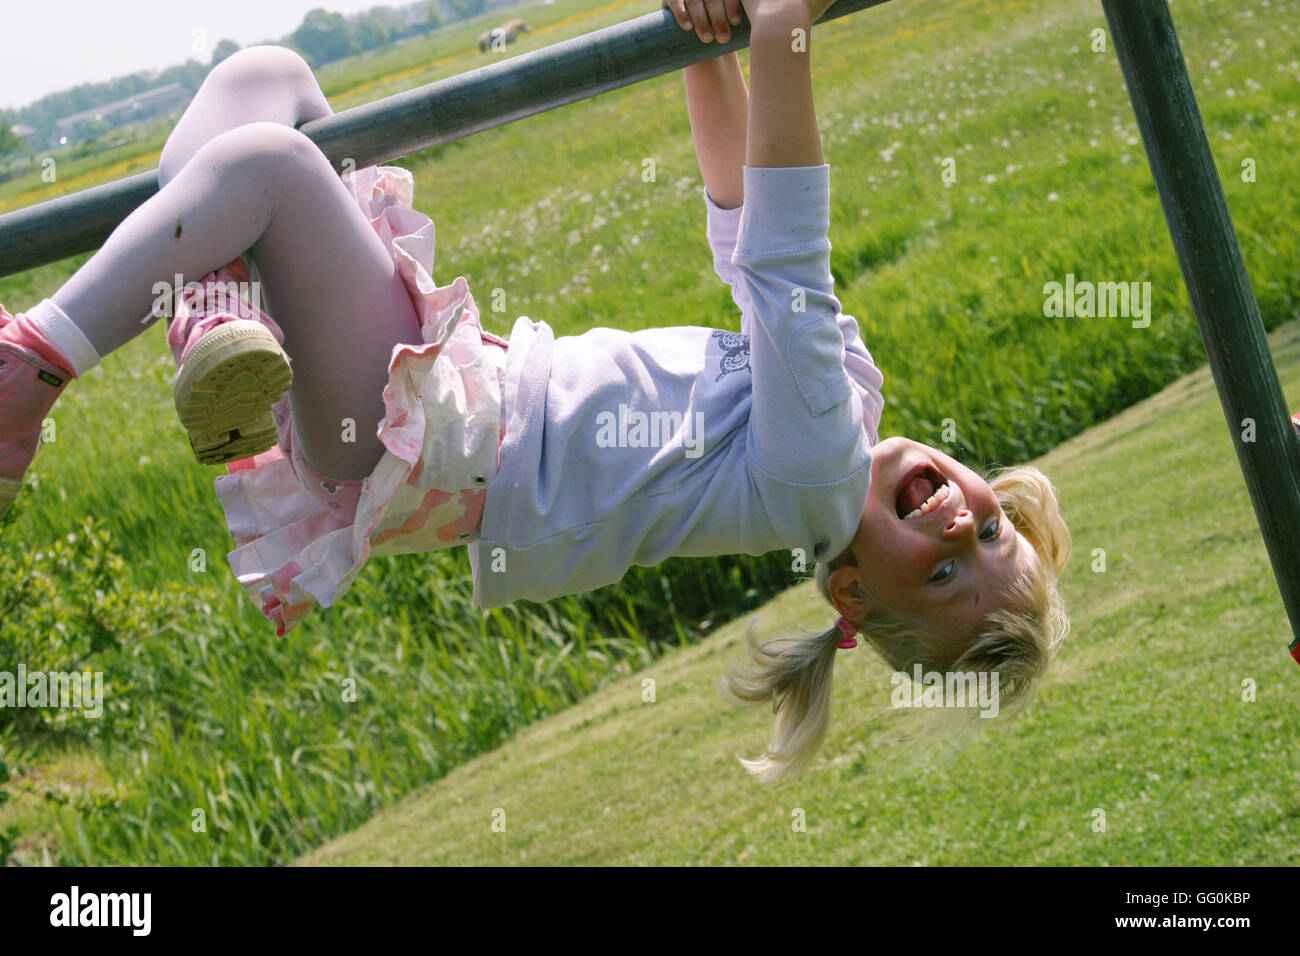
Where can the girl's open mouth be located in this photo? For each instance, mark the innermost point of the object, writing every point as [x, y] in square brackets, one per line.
[923, 489]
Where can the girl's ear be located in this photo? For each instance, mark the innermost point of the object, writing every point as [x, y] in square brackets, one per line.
[847, 593]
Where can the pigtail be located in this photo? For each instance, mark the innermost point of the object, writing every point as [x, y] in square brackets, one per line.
[794, 673]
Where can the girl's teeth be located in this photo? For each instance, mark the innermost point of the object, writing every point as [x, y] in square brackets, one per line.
[934, 501]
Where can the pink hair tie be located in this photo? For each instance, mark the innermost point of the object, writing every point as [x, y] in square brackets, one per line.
[848, 629]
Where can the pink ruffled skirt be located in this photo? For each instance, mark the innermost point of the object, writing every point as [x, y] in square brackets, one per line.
[302, 537]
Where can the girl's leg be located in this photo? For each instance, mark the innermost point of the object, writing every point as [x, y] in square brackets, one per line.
[261, 84]
[339, 300]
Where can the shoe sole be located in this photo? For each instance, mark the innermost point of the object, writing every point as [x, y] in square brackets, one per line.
[225, 390]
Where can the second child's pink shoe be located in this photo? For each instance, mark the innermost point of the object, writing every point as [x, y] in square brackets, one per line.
[231, 368]
[29, 385]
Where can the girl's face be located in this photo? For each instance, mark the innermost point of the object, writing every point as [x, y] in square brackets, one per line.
[946, 568]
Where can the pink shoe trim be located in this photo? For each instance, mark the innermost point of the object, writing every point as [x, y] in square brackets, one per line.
[21, 331]
[198, 312]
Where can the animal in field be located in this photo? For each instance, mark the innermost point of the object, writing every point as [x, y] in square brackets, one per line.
[498, 37]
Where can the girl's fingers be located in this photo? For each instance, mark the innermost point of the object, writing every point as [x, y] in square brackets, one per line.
[718, 16]
[678, 9]
[700, 17]
[735, 12]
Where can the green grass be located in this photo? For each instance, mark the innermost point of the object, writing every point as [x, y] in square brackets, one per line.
[211, 712]
[1143, 717]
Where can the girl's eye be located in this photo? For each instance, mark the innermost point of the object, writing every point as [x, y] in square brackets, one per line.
[939, 577]
[944, 573]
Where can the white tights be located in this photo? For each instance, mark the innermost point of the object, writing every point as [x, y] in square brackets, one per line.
[236, 176]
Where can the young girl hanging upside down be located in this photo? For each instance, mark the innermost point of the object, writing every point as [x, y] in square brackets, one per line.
[532, 451]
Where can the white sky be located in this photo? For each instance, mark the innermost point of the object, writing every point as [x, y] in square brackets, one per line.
[48, 45]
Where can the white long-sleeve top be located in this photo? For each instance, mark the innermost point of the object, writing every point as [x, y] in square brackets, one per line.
[627, 448]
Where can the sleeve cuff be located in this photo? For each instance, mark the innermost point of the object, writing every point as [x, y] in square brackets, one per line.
[723, 224]
[786, 207]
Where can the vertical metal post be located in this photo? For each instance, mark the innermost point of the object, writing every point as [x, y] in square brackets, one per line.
[1216, 278]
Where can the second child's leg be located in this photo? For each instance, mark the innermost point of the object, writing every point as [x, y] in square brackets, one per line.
[338, 297]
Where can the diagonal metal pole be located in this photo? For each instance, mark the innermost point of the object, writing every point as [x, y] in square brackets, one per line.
[1216, 278]
[451, 109]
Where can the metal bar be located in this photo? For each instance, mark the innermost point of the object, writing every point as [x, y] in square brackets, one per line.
[431, 115]
[1216, 278]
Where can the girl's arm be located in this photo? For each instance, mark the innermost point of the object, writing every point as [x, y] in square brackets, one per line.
[718, 104]
[782, 118]
[716, 99]
[778, 124]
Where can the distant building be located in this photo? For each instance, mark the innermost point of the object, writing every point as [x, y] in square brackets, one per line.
[142, 106]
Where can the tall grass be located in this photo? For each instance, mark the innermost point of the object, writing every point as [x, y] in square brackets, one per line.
[284, 743]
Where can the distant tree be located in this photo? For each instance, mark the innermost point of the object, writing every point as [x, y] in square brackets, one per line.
[421, 27]
[96, 128]
[468, 8]
[225, 49]
[189, 74]
[433, 19]
[323, 37]
[390, 18]
[10, 142]
[369, 32]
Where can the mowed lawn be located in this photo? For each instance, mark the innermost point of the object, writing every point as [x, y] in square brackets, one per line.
[1165, 735]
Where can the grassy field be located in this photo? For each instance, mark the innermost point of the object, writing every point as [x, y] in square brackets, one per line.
[209, 712]
[1141, 749]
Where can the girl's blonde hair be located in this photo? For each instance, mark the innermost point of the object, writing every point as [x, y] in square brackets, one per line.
[1018, 642]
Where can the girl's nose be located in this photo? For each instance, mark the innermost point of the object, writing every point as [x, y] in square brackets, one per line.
[960, 523]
